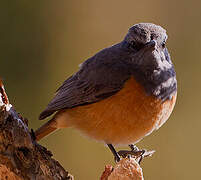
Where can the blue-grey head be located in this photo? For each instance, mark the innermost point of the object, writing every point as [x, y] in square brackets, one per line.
[150, 59]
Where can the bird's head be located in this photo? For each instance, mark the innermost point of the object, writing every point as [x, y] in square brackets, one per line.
[143, 33]
[148, 42]
[150, 57]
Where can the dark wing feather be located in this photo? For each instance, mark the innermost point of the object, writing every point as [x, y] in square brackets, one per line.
[97, 79]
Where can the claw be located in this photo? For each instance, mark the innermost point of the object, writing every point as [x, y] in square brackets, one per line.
[136, 153]
[117, 159]
[133, 147]
[125, 153]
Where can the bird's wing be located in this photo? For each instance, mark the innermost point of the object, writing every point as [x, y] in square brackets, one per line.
[96, 80]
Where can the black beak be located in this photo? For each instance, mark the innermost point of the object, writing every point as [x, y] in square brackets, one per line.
[151, 44]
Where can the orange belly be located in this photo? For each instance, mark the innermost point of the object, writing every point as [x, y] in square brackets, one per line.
[123, 118]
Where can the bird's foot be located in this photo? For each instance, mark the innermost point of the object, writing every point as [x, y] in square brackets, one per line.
[136, 153]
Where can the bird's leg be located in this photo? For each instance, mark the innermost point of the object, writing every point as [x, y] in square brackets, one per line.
[114, 152]
[136, 150]
[133, 147]
[33, 134]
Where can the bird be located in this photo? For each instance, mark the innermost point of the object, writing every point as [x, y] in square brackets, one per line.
[121, 94]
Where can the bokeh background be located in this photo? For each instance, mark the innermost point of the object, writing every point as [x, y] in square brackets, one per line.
[42, 43]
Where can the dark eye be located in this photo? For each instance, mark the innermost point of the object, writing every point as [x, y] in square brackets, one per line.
[133, 44]
[163, 44]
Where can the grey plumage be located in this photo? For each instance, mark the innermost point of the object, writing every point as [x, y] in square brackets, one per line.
[142, 54]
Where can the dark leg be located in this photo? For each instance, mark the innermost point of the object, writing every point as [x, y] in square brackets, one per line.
[114, 152]
[137, 150]
[33, 134]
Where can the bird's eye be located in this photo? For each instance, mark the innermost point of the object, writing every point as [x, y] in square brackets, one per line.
[133, 44]
[163, 44]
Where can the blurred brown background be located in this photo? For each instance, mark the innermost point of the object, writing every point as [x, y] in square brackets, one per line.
[42, 43]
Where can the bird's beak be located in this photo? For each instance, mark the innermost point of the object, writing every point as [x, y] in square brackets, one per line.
[151, 44]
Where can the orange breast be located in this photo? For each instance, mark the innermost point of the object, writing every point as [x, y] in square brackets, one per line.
[123, 118]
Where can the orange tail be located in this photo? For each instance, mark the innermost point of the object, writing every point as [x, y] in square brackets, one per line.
[45, 129]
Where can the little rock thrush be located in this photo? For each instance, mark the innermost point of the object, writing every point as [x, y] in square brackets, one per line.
[119, 95]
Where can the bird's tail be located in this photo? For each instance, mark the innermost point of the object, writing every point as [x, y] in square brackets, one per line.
[46, 129]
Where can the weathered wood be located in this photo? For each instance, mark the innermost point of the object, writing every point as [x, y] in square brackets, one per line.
[21, 157]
